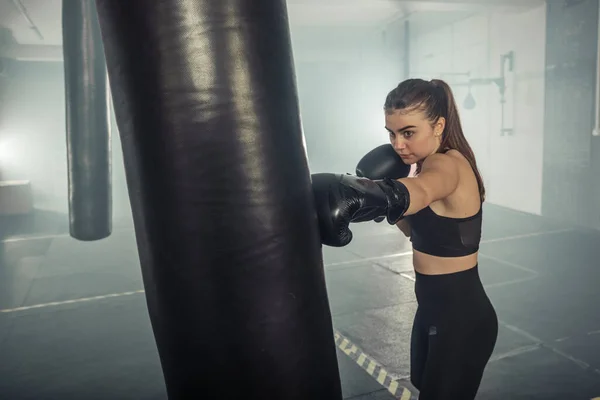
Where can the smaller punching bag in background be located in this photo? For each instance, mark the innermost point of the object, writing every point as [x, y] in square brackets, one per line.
[88, 126]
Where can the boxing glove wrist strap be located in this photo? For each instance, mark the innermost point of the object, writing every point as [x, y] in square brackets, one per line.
[398, 199]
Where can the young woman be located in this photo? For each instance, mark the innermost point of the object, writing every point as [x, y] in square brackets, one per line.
[440, 209]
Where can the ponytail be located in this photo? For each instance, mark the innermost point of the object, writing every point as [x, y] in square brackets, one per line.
[453, 137]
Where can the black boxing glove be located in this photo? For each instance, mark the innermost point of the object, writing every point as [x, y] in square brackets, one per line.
[382, 162]
[342, 199]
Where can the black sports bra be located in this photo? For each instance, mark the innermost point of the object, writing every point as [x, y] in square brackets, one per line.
[444, 236]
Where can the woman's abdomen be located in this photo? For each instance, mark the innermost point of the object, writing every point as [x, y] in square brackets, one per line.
[427, 264]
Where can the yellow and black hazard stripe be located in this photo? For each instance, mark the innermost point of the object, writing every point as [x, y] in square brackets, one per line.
[373, 368]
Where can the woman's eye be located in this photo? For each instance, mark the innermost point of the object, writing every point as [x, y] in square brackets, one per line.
[408, 133]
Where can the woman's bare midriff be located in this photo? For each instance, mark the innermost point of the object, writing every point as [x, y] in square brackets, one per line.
[432, 265]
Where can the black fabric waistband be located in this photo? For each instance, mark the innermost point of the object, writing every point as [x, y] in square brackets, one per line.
[451, 287]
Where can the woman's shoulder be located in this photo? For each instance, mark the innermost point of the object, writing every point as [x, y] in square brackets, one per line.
[464, 168]
[448, 156]
[457, 157]
[455, 154]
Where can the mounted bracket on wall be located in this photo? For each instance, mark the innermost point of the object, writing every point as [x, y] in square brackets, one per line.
[507, 62]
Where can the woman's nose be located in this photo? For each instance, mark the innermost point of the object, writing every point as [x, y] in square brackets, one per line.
[398, 143]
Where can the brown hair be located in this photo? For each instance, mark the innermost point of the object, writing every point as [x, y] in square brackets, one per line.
[435, 99]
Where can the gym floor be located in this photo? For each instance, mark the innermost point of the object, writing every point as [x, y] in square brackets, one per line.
[74, 325]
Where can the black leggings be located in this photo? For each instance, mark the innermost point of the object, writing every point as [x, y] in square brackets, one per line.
[453, 336]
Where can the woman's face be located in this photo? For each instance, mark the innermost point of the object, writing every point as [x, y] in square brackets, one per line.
[412, 135]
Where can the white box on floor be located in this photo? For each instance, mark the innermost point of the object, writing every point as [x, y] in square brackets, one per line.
[15, 197]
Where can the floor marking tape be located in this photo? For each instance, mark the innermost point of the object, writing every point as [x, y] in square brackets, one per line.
[60, 303]
[386, 379]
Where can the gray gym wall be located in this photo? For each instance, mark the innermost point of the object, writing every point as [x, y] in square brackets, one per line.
[571, 174]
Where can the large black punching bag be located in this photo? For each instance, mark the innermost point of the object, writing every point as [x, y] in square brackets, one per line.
[205, 100]
[87, 120]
